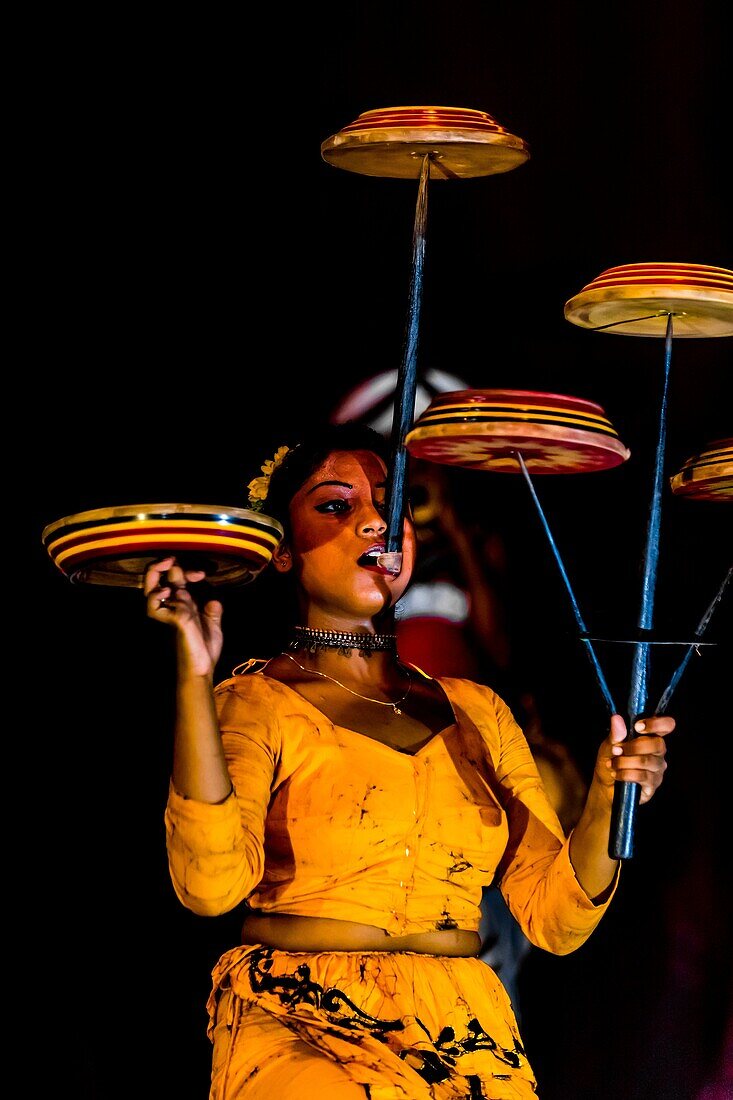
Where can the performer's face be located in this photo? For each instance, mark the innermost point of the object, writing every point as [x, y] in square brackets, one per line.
[338, 527]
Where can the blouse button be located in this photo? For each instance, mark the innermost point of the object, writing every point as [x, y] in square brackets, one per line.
[407, 851]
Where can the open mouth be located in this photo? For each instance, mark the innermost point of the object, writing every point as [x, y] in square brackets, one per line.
[370, 559]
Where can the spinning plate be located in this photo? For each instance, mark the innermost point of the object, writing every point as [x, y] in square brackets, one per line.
[707, 476]
[114, 546]
[636, 300]
[483, 430]
[393, 141]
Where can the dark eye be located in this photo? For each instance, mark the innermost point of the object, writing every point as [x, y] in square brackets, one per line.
[337, 506]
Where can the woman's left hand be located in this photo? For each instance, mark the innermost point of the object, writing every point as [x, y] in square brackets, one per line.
[638, 759]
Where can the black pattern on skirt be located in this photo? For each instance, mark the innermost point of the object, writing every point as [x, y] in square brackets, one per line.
[434, 1066]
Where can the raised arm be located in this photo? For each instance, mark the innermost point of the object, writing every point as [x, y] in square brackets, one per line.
[199, 768]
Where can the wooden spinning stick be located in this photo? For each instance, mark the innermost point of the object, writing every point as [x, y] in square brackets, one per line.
[511, 431]
[626, 795]
[651, 299]
[440, 143]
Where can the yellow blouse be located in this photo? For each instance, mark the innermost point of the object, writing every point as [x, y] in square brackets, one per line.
[328, 822]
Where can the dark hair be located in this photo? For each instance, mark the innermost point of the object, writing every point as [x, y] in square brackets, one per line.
[303, 460]
[274, 597]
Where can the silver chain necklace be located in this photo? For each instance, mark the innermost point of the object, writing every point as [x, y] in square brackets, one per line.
[395, 706]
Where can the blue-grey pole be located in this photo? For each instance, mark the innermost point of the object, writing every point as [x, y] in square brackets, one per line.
[601, 679]
[404, 407]
[702, 626]
[626, 794]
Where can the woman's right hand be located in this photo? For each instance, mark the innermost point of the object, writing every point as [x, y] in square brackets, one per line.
[169, 601]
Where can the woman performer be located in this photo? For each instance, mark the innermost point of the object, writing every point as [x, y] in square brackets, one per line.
[356, 807]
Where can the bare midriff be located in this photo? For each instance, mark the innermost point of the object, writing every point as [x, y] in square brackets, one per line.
[296, 933]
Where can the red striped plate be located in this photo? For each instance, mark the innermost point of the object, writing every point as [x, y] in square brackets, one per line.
[484, 430]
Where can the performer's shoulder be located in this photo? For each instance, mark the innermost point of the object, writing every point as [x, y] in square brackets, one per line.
[466, 687]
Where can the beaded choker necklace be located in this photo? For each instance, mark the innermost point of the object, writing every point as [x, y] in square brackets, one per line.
[314, 641]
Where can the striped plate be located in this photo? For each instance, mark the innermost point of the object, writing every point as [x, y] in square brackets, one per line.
[114, 546]
[393, 141]
[707, 476]
[636, 300]
[484, 429]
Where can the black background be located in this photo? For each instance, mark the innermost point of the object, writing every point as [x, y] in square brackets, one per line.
[199, 284]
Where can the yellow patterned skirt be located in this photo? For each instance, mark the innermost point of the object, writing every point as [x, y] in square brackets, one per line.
[344, 1025]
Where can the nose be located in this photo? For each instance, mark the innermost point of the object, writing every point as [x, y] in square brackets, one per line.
[371, 522]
